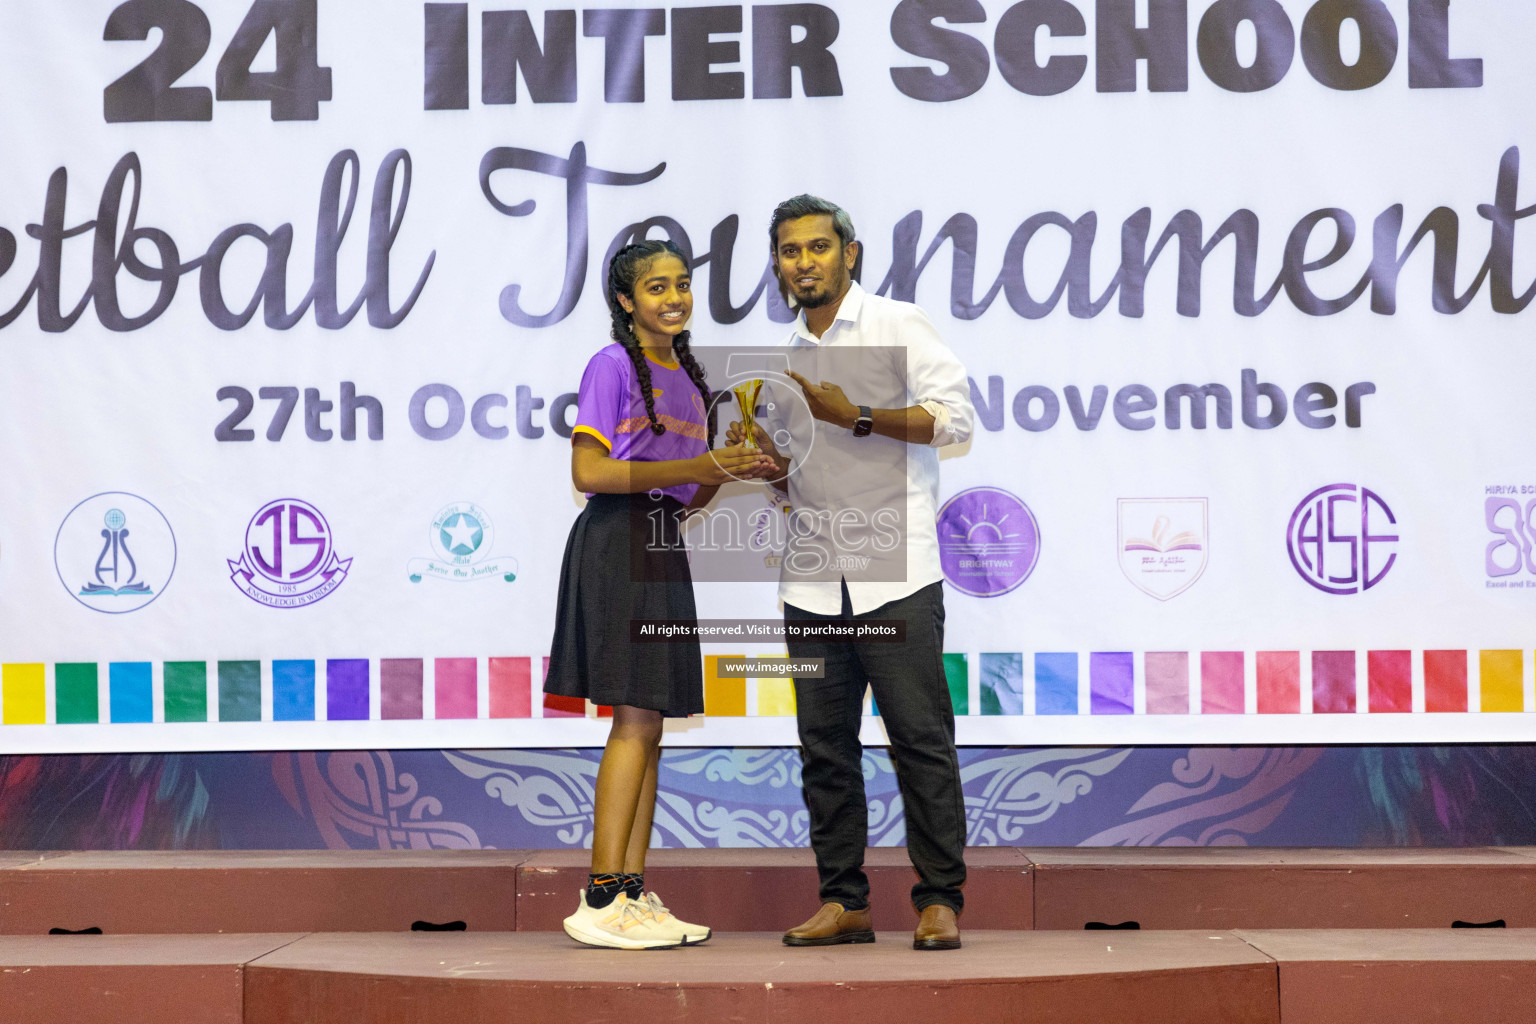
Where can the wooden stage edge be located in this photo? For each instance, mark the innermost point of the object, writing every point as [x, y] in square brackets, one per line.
[1294, 976]
[1226, 936]
[738, 890]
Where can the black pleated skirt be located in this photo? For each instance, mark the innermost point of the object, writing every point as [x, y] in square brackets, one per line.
[624, 561]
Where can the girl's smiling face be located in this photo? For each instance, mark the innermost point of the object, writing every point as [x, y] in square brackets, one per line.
[662, 302]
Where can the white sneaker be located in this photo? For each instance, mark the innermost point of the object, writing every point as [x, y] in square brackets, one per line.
[690, 934]
[622, 924]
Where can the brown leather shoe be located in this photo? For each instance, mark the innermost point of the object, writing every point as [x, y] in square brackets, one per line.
[832, 926]
[937, 928]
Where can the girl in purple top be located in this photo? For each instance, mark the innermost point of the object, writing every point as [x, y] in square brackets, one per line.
[641, 452]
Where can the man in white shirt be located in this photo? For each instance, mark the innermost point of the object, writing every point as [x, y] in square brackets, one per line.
[880, 393]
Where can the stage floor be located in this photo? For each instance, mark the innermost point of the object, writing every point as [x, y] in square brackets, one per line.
[997, 976]
[1223, 936]
[1300, 976]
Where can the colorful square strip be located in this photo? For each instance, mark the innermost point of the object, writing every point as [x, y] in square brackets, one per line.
[239, 691]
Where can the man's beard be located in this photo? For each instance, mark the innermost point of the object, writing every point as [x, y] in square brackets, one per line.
[828, 293]
[816, 300]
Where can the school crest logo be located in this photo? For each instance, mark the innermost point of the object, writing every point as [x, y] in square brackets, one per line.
[115, 552]
[1163, 543]
[461, 535]
[290, 558]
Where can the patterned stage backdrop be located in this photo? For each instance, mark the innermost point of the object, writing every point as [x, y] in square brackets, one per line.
[1342, 796]
[294, 295]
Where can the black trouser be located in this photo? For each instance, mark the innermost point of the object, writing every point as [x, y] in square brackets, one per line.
[913, 696]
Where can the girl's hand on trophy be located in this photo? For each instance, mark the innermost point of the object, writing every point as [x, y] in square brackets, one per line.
[733, 463]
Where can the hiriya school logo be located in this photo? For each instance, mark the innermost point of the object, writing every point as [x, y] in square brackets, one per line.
[289, 559]
[115, 552]
[1163, 543]
[461, 536]
[988, 541]
[1510, 513]
[1342, 539]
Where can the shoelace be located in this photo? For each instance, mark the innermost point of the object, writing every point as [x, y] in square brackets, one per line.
[658, 910]
[629, 908]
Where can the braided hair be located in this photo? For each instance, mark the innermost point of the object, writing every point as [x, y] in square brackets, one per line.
[627, 266]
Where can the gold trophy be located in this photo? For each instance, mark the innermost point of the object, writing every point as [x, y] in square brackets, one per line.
[746, 400]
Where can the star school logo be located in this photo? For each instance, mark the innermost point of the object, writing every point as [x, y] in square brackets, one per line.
[1163, 545]
[289, 559]
[461, 536]
[115, 552]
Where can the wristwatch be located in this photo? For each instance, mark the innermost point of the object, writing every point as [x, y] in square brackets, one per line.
[865, 423]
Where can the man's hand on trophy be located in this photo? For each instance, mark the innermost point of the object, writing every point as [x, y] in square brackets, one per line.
[735, 435]
[827, 402]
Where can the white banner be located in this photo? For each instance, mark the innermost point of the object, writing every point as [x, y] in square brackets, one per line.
[295, 294]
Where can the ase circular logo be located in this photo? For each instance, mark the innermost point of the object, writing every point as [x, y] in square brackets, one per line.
[1342, 539]
[115, 552]
[988, 541]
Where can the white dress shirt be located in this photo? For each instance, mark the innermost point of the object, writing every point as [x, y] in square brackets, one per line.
[854, 500]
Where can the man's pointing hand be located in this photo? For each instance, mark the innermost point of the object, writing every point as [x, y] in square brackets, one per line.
[827, 402]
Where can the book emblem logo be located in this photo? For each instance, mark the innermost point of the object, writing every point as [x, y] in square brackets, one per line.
[1163, 543]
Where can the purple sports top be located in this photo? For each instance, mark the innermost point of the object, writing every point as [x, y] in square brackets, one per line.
[609, 407]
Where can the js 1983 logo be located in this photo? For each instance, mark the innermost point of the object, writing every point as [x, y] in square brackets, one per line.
[289, 559]
[1510, 514]
[1342, 539]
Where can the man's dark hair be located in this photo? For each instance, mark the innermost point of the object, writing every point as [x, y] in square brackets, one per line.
[810, 206]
